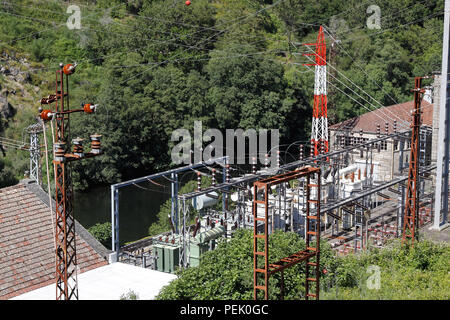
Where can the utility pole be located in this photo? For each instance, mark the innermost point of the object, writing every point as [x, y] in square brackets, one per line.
[66, 259]
[319, 134]
[410, 222]
[443, 147]
[35, 152]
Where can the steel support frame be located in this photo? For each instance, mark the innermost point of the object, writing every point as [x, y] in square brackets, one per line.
[328, 207]
[175, 199]
[66, 259]
[183, 259]
[410, 225]
[35, 153]
[312, 250]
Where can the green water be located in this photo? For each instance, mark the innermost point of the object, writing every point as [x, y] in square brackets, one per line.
[137, 208]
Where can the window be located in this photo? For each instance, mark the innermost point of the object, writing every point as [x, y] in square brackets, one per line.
[381, 144]
[346, 141]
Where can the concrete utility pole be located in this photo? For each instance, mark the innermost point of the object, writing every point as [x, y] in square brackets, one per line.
[35, 153]
[443, 147]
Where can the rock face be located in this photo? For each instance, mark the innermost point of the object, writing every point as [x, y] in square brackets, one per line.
[9, 67]
[6, 109]
[15, 72]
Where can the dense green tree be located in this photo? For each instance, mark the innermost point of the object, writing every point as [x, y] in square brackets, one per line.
[156, 66]
[102, 232]
[7, 177]
[227, 272]
[162, 223]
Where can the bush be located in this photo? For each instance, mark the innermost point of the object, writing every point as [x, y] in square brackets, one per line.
[102, 232]
[7, 177]
[130, 295]
[227, 272]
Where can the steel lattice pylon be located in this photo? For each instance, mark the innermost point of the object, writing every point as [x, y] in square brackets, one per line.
[312, 252]
[65, 240]
[35, 152]
[319, 130]
[410, 221]
[66, 261]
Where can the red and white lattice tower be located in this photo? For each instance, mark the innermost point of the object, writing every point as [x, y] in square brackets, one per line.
[319, 132]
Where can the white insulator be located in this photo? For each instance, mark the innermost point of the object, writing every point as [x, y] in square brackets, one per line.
[204, 201]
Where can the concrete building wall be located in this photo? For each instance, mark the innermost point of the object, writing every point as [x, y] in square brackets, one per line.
[387, 162]
[436, 108]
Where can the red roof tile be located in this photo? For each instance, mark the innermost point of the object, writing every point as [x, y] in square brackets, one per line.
[27, 259]
[400, 112]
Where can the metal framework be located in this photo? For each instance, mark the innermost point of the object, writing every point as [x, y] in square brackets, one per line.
[35, 154]
[177, 211]
[412, 193]
[66, 258]
[66, 262]
[312, 250]
[319, 131]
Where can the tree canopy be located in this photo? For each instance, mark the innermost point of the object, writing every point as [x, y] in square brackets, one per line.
[156, 66]
[227, 272]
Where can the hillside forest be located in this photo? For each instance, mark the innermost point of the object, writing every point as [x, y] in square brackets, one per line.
[154, 66]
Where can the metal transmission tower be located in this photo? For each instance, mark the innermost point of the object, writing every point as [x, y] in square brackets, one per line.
[410, 220]
[35, 154]
[319, 132]
[66, 260]
[443, 147]
[262, 270]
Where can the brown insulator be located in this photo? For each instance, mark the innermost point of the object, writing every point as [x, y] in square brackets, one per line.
[95, 143]
[78, 147]
[59, 148]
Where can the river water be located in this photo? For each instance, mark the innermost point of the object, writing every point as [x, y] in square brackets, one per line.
[138, 208]
[138, 205]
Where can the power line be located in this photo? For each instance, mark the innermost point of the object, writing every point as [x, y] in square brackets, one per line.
[391, 16]
[389, 29]
[177, 44]
[49, 29]
[210, 38]
[358, 88]
[337, 43]
[379, 116]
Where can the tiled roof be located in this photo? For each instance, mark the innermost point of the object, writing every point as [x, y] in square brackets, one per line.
[368, 121]
[27, 258]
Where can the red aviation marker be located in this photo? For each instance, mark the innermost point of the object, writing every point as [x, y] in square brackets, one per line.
[319, 132]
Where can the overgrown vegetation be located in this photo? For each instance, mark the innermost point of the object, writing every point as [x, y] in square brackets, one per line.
[162, 223]
[102, 232]
[227, 272]
[156, 66]
[130, 295]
